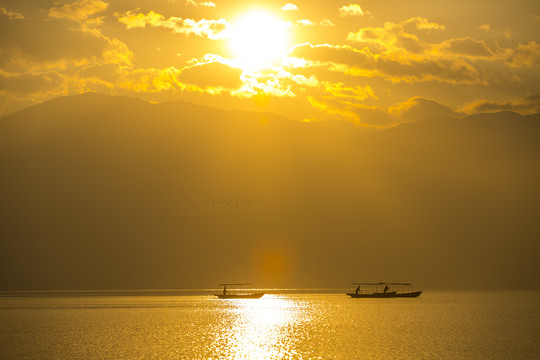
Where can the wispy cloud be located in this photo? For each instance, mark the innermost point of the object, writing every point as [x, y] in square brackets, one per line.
[342, 90]
[413, 109]
[360, 114]
[289, 7]
[398, 40]
[420, 23]
[327, 22]
[78, 10]
[306, 22]
[213, 75]
[485, 27]
[396, 36]
[201, 3]
[391, 37]
[211, 29]
[11, 15]
[353, 10]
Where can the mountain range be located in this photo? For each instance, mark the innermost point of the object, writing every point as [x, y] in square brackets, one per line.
[108, 192]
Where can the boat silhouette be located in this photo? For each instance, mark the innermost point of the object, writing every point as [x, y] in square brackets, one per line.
[383, 290]
[238, 291]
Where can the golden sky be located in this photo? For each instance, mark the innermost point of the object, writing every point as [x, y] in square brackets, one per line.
[362, 61]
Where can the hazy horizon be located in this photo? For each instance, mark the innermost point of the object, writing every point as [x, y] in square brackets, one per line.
[181, 144]
[115, 193]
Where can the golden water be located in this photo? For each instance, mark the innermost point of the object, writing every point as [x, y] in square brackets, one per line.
[437, 325]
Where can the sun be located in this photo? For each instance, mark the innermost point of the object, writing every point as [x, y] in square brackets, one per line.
[258, 39]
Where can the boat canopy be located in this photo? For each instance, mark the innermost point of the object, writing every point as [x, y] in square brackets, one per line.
[380, 283]
[236, 284]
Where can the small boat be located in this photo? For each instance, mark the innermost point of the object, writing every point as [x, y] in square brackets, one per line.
[382, 290]
[238, 291]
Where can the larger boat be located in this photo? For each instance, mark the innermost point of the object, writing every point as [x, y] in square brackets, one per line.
[238, 291]
[382, 290]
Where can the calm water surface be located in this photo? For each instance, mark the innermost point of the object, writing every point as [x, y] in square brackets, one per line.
[437, 325]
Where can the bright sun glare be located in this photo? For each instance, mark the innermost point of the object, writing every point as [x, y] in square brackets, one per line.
[258, 39]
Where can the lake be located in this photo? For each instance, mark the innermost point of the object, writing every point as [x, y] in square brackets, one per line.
[437, 325]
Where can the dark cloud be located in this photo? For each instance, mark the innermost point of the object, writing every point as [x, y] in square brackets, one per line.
[524, 55]
[409, 69]
[38, 42]
[467, 46]
[527, 105]
[30, 83]
[389, 38]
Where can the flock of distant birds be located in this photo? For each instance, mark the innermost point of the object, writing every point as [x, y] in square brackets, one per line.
[235, 203]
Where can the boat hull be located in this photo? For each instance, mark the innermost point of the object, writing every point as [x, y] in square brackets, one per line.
[240, 296]
[386, 295]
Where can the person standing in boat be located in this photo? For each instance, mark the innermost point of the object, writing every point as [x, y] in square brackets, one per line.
[385, 288]
[225, 290]
[357, 291]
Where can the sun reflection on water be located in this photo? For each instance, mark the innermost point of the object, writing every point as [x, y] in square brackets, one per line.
[258, 329]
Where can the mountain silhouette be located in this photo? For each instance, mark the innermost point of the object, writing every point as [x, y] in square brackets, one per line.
[107, 192]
